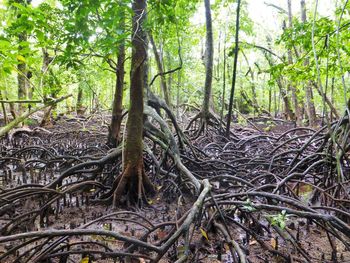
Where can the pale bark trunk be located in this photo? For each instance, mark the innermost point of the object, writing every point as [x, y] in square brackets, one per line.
[44, 68]
[296, 103]
[311, 111]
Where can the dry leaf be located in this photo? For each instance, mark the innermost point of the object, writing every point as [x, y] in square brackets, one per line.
[274, 243]
[253, 242]
[161, 234]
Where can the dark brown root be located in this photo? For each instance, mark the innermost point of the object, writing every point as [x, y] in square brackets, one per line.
[133, 177]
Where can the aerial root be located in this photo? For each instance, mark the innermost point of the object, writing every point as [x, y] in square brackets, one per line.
[133, 178]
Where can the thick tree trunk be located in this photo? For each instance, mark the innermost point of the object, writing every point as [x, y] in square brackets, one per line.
[311, 111]
[163, 83]
[228, 124]
[117, 110]
[208, 61]
[133, 180]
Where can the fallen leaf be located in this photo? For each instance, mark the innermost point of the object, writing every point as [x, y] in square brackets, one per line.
[204, 233]
[161, 234]
[274, 243]
[253, 242]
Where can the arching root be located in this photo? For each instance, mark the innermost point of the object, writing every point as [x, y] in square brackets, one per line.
[133, 177]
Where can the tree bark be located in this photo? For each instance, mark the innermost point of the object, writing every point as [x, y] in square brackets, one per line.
[327, 100]
[133, 180]
[163, 83]
[208, 61]
[79, 105]
[234, 70]
[117, 110]
[22, 81]
[3, 109]
[178, 94]
[297, 107]
[253, 101]
[44, 68]
[223, 82]
[311, 111]
[287, 105]
[21, 75]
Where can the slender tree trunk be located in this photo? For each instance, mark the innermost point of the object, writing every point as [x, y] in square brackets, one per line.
[3, 109]
[22, 66]
[297, 108]
[21, 75]
[270, 99]
[254, 101]
[234, 70]
[208, 61]
[178, 94]
[311, 111]
[170, 76]
[44, 84]
[163, 83]
[275, 101]
[133, 180]
[283, 94]
[117, 109]
[223, 82]
[287, 107]
[79, 105]
[327, 100]
[11, 105]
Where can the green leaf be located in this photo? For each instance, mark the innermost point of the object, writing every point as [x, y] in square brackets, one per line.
[4, 44]
[21, 58]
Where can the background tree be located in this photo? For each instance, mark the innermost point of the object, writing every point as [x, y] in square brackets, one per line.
[234, 73]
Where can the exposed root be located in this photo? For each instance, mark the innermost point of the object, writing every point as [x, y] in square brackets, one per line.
[269, 193]
[206, 120]
[133, 177]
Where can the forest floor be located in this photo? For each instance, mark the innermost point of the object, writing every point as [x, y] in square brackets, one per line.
[270, 195]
